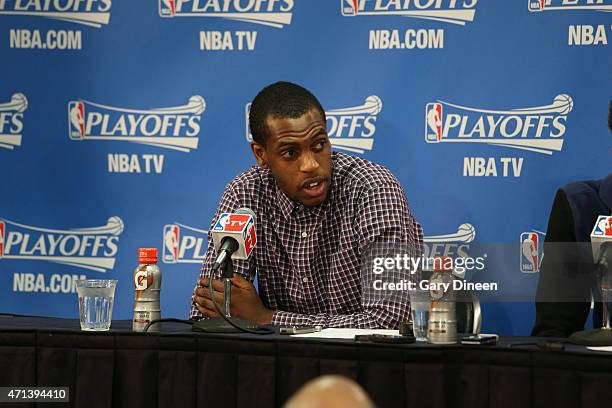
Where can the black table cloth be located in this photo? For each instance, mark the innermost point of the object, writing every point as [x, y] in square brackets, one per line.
[178, 368]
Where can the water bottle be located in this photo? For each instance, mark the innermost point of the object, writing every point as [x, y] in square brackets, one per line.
[147, 286]
[442, 316]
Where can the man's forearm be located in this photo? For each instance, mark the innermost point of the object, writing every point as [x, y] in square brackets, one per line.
[371, 319]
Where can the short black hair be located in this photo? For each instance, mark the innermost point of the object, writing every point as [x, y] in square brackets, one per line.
[279, 100]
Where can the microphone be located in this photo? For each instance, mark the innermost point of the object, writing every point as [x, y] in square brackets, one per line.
[234, 236]
[601, 241]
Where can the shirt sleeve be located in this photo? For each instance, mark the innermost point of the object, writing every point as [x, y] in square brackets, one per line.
[383, 220]
[229, 203]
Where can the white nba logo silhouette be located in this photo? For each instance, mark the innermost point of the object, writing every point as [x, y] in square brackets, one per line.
[354, 5]
[433, 118]
[170, 6]
[604, 225]
[76, 118]
[531, 253]
[530, 250]
[171, 241]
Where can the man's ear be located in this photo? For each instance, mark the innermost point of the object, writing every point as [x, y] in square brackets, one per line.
[259, 151]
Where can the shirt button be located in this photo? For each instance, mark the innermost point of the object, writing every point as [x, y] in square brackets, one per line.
[305, 280]
[304, 234]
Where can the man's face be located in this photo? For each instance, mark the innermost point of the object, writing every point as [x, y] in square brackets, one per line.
[298, 153]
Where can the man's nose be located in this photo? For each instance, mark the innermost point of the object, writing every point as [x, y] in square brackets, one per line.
[309, 163]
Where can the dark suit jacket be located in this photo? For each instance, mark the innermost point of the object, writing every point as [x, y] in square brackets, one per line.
[567, 277]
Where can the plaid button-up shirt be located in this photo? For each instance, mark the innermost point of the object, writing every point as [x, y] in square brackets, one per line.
[308, 259]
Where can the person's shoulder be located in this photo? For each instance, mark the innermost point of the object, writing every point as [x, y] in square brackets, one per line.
[355, 171]
[582, 187]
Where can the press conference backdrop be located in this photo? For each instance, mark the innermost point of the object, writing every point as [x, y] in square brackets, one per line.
[122, 121]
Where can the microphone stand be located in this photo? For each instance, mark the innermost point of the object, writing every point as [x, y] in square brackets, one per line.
[226, 323]
[602, 336]
[228, 273]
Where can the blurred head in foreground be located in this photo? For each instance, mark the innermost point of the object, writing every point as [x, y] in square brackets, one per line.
[331, 391]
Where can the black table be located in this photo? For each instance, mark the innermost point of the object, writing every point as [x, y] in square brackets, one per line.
[177, 368]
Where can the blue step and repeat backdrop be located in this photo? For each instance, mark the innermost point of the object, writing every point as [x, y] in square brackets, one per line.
[122, 121]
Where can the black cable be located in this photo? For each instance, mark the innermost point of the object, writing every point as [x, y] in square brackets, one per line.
[531, 343]
[168, 319]
[191, 322]
[549, 345]
[212, 297]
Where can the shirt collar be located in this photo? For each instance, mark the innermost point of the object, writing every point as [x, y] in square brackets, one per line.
[285, 204]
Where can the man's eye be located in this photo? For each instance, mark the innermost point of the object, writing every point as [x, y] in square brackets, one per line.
[288, 154]
[320, 145]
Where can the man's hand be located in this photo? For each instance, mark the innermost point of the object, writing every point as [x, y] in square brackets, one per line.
[246, 304]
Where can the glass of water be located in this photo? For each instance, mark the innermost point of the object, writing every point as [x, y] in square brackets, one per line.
[420, 304]
[96, 298]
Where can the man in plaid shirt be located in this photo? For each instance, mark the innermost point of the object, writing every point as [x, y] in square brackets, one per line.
[317, 212]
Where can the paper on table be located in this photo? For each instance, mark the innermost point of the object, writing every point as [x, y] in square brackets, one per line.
[602, 348]
[345, 333]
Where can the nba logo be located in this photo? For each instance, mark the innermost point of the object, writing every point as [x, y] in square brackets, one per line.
[76, 120]
[538, 5]
[167, 8]
[603, 226]
[433, 122]
[2, 227]
[171, 243]
[531, 253]
[351, 7]
[220, 225]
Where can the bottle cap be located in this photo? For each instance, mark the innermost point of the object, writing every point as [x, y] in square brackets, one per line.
[443, 264]
[147, 255]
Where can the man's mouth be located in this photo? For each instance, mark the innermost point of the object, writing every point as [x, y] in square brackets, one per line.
[315, 187]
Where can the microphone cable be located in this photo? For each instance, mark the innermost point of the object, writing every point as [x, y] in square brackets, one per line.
[168, 319]
[261, 330]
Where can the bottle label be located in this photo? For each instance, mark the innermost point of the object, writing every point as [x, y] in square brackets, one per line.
[142, 317]
[140, 280]
[437, 327]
